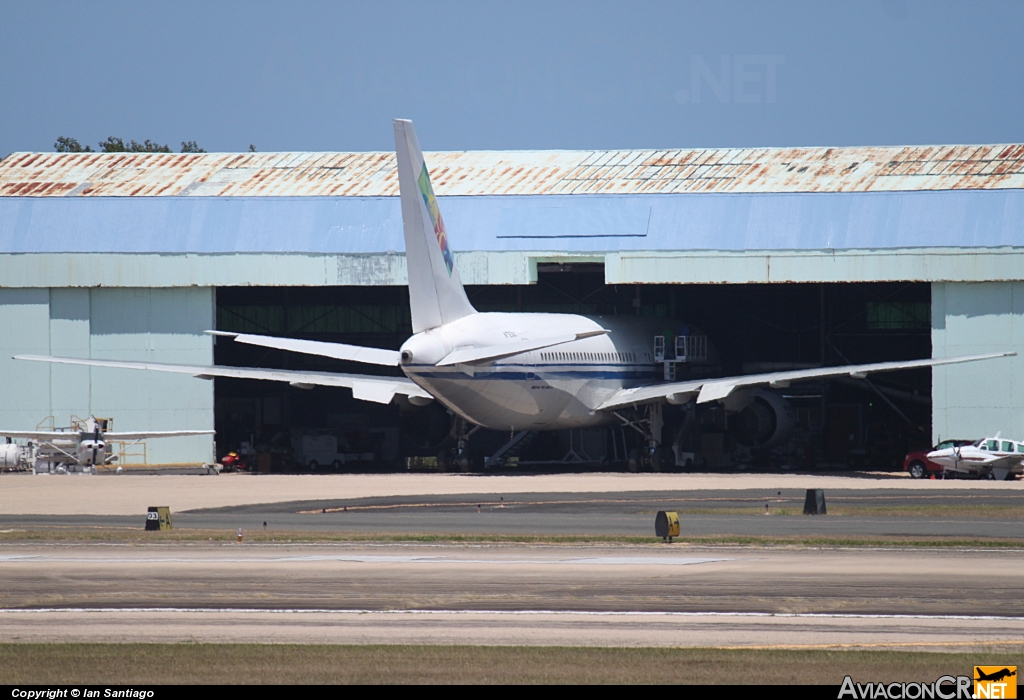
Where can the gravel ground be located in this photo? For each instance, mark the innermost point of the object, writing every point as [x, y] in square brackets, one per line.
[24, 494]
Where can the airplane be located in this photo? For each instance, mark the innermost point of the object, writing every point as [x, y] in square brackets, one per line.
[522, 371]
[993, 457]
[995, 676]
[87, 447]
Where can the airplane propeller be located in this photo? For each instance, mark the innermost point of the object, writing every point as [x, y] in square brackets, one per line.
[95, 442]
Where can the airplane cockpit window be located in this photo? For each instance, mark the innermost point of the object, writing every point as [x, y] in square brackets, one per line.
[944, 445]
[992, 446]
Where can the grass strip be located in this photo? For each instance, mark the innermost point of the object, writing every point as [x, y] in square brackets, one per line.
[107, 535]
[45, 664]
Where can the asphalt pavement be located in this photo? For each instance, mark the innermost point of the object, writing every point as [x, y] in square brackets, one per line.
[957, 514]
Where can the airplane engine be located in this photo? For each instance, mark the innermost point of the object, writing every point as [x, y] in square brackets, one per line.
[760, 418]
[92, 452]
[8, 456]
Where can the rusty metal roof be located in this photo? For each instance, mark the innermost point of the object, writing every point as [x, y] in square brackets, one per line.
[748, 170]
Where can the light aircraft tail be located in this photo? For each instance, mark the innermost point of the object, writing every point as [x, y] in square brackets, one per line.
[436, 295]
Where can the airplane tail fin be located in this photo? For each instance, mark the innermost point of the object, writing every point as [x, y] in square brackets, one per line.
[436, 295]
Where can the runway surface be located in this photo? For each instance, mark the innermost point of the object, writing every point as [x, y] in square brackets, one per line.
[991, 513]
[495, 628]
[580, 594]
[642, 595]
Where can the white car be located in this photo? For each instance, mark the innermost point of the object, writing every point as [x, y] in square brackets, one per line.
[994, 458]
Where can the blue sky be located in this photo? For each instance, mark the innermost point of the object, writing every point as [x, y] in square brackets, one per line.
[326, 76]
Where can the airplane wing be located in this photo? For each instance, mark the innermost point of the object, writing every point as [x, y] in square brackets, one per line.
[145, 435]
[377, 389]
[39, 434]
[1004, 462]
[339, 351]
[717, 389]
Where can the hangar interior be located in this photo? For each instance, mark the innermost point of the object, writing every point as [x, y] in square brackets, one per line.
[754, 327]
[780, 257]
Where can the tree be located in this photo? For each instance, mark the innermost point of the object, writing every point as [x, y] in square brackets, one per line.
[67, 144]
[113, 144]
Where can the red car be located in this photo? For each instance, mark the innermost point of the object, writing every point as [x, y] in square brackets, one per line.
[918, 464]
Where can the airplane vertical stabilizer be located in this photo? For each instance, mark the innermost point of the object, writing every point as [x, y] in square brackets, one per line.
[436, 295]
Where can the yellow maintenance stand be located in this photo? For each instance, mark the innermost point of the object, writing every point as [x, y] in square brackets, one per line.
[666, 525]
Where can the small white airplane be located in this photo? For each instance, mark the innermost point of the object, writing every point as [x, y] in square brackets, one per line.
[522, 371]
[994, 458]
[88, 447]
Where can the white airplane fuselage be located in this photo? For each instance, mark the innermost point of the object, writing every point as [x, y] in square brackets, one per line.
[981, 458]
[551, 388]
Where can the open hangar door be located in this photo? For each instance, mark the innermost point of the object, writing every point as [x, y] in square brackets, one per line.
[839, 423]
[279, 427]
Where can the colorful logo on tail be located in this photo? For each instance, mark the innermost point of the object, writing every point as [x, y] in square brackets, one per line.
[435, 216]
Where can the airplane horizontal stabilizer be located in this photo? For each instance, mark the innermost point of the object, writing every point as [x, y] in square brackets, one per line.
[380, 389]
[720, 388]
[339, 351]
[495, 352]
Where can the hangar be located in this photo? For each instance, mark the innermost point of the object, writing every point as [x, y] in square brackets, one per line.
[784, 258]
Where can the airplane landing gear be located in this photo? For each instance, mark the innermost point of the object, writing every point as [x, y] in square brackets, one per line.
[460, 458]
[652, 456]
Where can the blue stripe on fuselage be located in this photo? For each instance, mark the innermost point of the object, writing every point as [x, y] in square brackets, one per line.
[519, 372]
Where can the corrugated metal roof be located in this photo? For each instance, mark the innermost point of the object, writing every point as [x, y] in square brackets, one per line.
[726, 170]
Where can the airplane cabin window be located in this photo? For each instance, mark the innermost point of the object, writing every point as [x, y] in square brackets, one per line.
[1007, 446]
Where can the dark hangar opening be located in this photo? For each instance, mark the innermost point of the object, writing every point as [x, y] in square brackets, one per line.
[754, 327]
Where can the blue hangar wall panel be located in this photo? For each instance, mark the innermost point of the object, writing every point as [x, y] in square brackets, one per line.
[156, 325]
[564, 223]
[978, 399]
